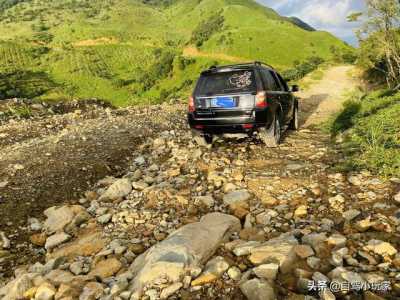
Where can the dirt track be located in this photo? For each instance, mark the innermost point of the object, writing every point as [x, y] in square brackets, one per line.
[54, 160]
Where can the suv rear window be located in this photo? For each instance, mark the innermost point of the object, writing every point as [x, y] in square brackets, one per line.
[226, 82]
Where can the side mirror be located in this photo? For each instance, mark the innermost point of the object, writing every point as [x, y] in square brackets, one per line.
[295, 88]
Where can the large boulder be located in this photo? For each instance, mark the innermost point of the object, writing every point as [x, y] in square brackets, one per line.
[184, 250]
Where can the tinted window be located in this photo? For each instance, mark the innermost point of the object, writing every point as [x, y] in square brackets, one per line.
[283, 82]
[227, 82]
[279, 87]
[269, 81]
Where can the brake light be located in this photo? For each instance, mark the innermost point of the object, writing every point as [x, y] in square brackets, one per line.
[247, 126]
[191, 104]
[261, 99]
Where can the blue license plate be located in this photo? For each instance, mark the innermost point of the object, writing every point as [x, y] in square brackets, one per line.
[223, 102]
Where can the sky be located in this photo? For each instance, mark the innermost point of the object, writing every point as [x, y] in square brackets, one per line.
[328, 15]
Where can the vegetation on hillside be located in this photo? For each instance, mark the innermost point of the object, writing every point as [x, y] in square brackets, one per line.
[371, 127]
[132, 51]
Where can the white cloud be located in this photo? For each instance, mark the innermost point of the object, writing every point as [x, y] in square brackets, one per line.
[329, 15]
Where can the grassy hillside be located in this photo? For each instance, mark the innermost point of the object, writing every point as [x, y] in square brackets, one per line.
[371, 124]
[131, 51]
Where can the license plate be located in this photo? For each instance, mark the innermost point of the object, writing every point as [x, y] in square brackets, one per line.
[223, 102]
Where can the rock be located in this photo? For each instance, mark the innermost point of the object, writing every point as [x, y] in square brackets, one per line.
[337, 203]
[45, 292]
[258, 289]
[229, 187]
[172, 289]
[337, 241]
[279, 250]
[371, 296]
[236, 197]
[139, 185]
[17, 288]
[314, 239]
[185, 249]
[56, 240]
[381, 248]
[397, 197]
[5, 242]
[59, 217]
[364, 225]
[234, 273]
[301, 211]
[351, 214]
[35, 224]
[88, 243]
[118, 189]
[213, 270]
[92, 290]
[245, 248]
[267, 271]
[304, 251]
[314, 262]
[326, 294]
[269, 201]
[77, 267]
[106, 268]
[263, 218]
[57, 277]
[104, 219]
[207, 201]
[3, 184]
[355, 180]
[140, 160]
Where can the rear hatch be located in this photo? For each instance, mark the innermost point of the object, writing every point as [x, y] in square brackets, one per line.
[225, 94]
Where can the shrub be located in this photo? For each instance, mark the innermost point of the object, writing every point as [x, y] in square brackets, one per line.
[206, 29]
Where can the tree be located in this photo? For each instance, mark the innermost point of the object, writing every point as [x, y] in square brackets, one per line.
[380, 38]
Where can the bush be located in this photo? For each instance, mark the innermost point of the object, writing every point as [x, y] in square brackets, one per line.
[206, 29]
[302, 69]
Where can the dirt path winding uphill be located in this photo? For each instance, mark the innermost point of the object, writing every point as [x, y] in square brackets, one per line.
[325, 97]
[292, 192]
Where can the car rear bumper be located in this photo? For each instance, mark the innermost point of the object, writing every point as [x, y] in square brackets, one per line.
[242, 124]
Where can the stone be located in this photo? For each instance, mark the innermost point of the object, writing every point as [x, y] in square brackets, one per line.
[88, 243]
[57, 277]
[229, 187]
[92, 290]
[207, 201]
[59, 217]
[326, 294]
[268, 200]
[234, 273]
[104, 219]
[267, 271]
[170, 290]
[139, 185]
[118, 189]
[397, 197]
[45, 292]
[364, 225]
[314, 262]
[354, 180]
[17, 288]
[106, 268]
[236, 197]
[371, 296]
[77, 267]
[245, 248]
[301, 211]
[185, 249]
[351, 214]
[56, 240]
[279, 250]
[337, 203]
[38, 239]
[337, 241]
[263, 218]
[381, 248]
[304, 251]
[212, 271]
[314, 239]
[258, 289]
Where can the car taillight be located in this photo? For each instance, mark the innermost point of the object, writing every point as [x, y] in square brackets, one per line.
[191, 104]
[261, 100]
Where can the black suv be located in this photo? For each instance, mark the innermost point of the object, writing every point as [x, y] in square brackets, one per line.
[243, 98]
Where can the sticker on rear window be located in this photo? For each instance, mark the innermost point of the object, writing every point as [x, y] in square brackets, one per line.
[241, 80]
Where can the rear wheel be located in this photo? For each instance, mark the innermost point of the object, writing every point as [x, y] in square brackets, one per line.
[294, 124]
[208, 138]
[271, 136]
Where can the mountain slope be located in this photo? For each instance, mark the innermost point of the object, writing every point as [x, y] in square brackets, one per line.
[130, 51]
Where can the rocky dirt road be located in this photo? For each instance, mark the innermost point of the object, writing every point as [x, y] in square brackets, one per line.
[252, 222]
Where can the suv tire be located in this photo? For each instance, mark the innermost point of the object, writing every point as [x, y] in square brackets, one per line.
[271, 136]
[294, 124]
[208, 138]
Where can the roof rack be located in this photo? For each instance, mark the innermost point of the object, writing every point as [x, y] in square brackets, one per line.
[257, 63]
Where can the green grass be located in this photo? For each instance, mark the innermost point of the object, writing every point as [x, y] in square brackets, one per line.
[371, 127]
[104, 49]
